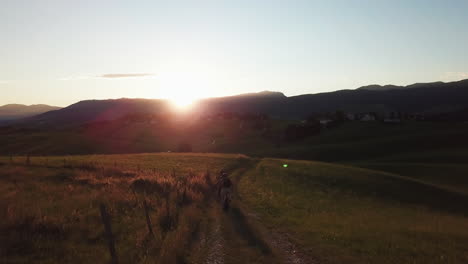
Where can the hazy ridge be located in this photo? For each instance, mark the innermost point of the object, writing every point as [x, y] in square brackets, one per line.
[417, 98]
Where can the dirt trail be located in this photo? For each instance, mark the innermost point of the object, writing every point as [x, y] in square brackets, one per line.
[290, 252]
[280, 243]
[216, 245]
[238, 237]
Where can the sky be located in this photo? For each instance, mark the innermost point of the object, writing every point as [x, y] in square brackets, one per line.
[60, 52]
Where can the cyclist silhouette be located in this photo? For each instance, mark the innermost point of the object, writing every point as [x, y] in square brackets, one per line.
[224, 186]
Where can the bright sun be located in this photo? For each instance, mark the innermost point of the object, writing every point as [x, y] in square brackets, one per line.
[182, 101]
[183, 89]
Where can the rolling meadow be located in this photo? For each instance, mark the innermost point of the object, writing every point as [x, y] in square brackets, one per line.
[163, 208]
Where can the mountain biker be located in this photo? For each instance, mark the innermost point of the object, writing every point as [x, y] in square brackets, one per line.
[224, 189]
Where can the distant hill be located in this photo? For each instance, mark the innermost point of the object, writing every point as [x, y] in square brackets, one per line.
[426, 98]
[105, 110]
[98, 110]
[146, 125]
[15, 111]
[376, 87]
[263, 102]
[436, 97]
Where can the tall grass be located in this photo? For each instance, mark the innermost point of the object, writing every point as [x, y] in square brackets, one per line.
[50, 207]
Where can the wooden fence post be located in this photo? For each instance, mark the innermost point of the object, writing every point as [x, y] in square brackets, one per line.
[148, 220]
[108, 231]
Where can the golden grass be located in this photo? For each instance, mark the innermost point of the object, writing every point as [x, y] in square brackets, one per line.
[51, 207]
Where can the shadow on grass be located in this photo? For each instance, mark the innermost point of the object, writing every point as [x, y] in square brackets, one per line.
[242, 227]
[401, 190]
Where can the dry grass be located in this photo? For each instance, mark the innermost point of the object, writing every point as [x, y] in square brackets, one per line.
[51, 208]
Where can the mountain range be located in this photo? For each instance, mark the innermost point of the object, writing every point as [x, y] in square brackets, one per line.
[376, 87]
[15, 111]
[426, 98]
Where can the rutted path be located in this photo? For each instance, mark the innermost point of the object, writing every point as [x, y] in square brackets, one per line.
[291, 254]
[281, 246]
[238, 237]
[216, 245]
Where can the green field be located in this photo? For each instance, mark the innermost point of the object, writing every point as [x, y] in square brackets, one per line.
[348, 142]
[343, 214]
[446, 175]
[364, 141]
[331, 213]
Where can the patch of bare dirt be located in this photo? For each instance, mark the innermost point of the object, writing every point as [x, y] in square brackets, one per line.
[216, 246]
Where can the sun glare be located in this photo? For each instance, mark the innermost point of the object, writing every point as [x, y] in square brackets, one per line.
[182, 102]
[183, 89]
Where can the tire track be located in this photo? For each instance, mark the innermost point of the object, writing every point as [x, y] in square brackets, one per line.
[216, 245]
[280, 244]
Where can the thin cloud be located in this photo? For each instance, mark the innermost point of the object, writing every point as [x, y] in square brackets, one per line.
[125, 75]
[109, 76]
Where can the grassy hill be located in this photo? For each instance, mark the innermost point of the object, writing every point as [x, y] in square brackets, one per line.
[362, 141]
[349, 142]
[449, 175]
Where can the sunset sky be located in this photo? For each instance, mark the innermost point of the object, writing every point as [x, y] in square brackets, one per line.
[60, 52]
